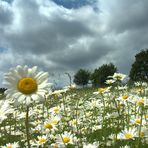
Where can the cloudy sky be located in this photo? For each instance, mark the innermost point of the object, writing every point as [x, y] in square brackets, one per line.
[64, 35]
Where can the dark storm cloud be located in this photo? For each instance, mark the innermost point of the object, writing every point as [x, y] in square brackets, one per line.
[50, 36]
[6, 14]
[41, 34]
[127, 24]
[59, 39]
[128, 15]
[82, 54]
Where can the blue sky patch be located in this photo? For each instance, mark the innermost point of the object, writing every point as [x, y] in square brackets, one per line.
[9, 1]
[75, 3]
[3, 49]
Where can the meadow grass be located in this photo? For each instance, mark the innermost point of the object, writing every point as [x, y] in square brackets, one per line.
[112, 117]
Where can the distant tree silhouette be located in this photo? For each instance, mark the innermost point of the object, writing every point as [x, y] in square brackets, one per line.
[2, 90]
[139, 70]
[81, 77]
[100, 75]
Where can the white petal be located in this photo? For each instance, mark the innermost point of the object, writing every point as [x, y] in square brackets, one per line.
[38, 74]
[41, 93]
[42, 77]
[16, 95]
[21, 71]
[40, 97]
[28, 100]
[42, 90]
[34, 97]
[8, 85]
[33, 71]
[43, 85]
[9, 91]
[21, 98]
[16, 75]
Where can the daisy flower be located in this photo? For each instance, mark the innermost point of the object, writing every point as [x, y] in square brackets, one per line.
[102, 90]
[110, 81]
[142, 101]
[49, 126]
[126, 146]
[55, 109]
[124, 98]
[58, 92]
[55, 119]
[26, 85]
[11, 145]
[90, 146]
[66, 138]
[143, 132]
[127, 134]
[41, 140]
[54, 145]
[118, 76]
[93, 103]
[5, 109]
[72, 86]
[74, 122]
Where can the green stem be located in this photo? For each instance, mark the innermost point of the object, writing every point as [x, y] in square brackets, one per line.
[27, 126]
[139, 138]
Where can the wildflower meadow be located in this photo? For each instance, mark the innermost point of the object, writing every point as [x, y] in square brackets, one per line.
[32, 115]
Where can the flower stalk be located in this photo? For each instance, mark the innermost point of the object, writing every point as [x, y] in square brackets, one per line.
[27, 127]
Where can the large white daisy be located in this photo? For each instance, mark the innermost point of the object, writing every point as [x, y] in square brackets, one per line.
[26, 85]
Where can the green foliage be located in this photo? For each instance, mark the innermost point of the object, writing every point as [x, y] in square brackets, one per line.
[100, 75]
[2, 90]
[81, 77]
[139, 70]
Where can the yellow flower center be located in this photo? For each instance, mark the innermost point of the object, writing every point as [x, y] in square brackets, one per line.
[74, 122]
[56, 109]
[141, 102]
[42, 140]
[138, 121]
[27, 85]
[8, 146]
[54, 121]
[125, 97]
[142, 134]
[55, 146]
[48, 125]
[128, 135]
[66, 139]
[101, 90]
[36, 131]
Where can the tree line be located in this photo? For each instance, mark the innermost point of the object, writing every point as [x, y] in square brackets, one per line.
[138, 72]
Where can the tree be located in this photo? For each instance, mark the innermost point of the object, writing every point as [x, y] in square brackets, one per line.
[81, 77]
[2, 90]
[101, 74]
[139, 70]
